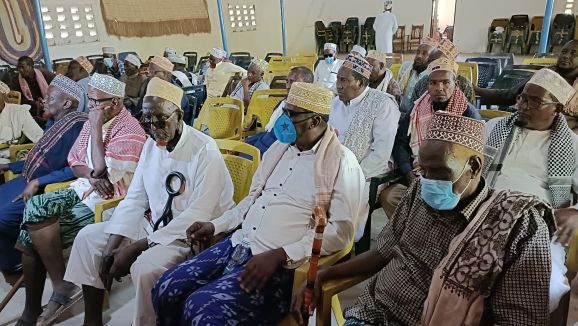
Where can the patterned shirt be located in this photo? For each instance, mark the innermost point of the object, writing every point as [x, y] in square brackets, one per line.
[416, 241]
[462, 82]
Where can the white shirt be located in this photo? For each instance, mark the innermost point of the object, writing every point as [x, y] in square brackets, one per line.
[182, 78]
[385, 26]
[525, 167]
[326, 75]
[276, 114]
[16, 120]
[239, 93]
[378, 155]
[281, 216]
[208, 189]
[216, 79]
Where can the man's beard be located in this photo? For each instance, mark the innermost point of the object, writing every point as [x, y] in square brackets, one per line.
[440, 106]
[521, 123]
[419, 68]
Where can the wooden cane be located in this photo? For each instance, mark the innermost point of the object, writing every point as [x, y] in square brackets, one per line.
[320, 223]
[11, 293]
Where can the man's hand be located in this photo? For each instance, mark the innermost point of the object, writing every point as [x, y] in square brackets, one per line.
[297, 300]
[245, 82]
[200, 232]
[567, 221]
[4, 167]
[123, 260]
[96, 118]
[260, 268]
[30, 190]
[103, 187]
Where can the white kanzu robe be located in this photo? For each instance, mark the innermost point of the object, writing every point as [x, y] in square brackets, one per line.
[208, 194]
[385, 26]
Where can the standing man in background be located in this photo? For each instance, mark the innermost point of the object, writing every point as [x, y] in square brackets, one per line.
[385, 26]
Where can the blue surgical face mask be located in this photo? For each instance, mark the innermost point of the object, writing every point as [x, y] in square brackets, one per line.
[108, 62]
[285, 130]
[330, 60]
[439, 194]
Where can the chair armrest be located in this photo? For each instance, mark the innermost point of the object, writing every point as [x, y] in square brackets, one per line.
[57, 186]
[333, 287]
[14, 149]
[388, 177]
[103, 206]
[3, 146]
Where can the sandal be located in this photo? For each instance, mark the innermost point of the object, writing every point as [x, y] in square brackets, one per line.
[23, 322]
[64, 301]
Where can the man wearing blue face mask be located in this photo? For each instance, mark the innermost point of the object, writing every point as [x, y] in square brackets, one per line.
[115, 66]
[465, 254]
[326, 71]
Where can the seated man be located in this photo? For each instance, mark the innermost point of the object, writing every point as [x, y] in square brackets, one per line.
[15, 121]
[173, 146]
[534, 151]
[358, 50]
[219, 73]
[442, 95]
[326, 70]
[104, 158]
[448, 51]
[133, 81]
[247, 278]
[80, 70]
[181, 77]
[45, 163]
[115, 67]
[410, 73]
[381, 78]
[430, 252]
[32, 83]
[253, 82]
[264, 140]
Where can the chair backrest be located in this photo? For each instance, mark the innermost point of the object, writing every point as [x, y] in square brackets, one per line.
[94, 58]
[519, 22]
[233, 81]
[369, 22]
[241, 59]
[222, 116]
[416, 32]
[14, 97]
[540, 61]
[511, 78]
[536, 23]
[319, 26]
[473, 67]
[400, 33]
[466, 72]
[263, 102]
[60, 66]
[500, 22]
[279, 82]
[395, 69]
[491, 114]
[392, 58]
[191, 60]
[202, 61]
[272, 54]
[122, 55]
[241, 169]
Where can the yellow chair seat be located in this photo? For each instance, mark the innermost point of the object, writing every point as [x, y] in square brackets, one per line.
[240, 169]
[223, 116]
[262, 104]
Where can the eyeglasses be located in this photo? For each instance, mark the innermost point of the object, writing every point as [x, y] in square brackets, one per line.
[158, 124]
[533, 103]
[94, 102]
[328, 56]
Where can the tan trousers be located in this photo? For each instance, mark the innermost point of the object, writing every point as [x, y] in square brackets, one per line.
[85, 259]
[390, 198]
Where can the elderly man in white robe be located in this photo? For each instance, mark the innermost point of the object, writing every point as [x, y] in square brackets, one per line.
[132, 240]
[366, 120]
[15, 121]
[326, 70]
[385, 26]
[219, 72]
[534, 151]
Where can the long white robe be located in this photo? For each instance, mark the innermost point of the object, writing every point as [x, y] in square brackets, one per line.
[15, 121]
[385, 26]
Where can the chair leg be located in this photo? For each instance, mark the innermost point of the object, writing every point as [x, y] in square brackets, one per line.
[364, 243]
[11, 293]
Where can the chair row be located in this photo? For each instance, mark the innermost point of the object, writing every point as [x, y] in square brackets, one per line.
[345, 35]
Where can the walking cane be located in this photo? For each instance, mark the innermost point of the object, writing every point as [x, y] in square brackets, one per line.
[167, 215]
[320, 223]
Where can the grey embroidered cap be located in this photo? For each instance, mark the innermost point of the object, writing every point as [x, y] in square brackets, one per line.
[107, 84]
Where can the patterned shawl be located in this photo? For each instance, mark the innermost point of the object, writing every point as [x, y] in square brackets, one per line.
[561, 158]
[423, 112]
[37, 155]
[252, 89]
[460, 283]
[42, 84]
[361, 126]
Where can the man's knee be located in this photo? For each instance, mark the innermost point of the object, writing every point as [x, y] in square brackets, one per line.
[146, 269]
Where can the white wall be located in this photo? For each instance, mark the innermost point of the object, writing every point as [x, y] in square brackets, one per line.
[473, 17]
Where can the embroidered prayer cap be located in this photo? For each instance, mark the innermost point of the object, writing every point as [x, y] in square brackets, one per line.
[330, 46]
[457, 129]
[85, 64]
[133, 59]
[376, 55]
[262, 64]
[68, 86]
[443, 64]
[360, 50]
[310, 97]
[358, 64]
[163, 63]
[4, 89]
[449, 50]
[219, 53]
[108, 50]
[169, 51]
[165, 90]
[427, 40]
[388, 5]
[107, 84]
[553, 83]
[175, 58]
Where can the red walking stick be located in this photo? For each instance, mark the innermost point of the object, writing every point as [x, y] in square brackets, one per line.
[320, 223]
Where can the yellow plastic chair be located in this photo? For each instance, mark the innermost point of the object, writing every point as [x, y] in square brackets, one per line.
[473, 67]
[395, 69]
[540, 61]
[223, 117]
[491, 114]
[262, 104]
[17, 153]
[241, 169]
[14, 97]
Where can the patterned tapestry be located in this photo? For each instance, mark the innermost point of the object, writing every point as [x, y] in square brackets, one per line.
[18, 31]
[140, 18]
